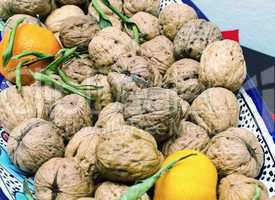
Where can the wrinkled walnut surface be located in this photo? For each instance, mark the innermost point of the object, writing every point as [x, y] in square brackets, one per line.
[236, 150]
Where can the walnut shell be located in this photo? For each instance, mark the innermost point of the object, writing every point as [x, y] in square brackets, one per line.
[160, 51]
[127, 154]
[63, 179]
[79, 68]
[102, 96]
[223, 65]
[182, 77]
[148, 25]
[6, 10]
[86, 198]
[111, 117]
[108, 45]
[28, 20]
[239, 187]
[112, 191]
[140, 69]
[216, 109]
[194, 36]
[121, 86]
[57, 17]
[78, 31]
[17, 107]
[83, 147]
[70, 114]
[130, 7]
[33, 142]
[71, 2]
[173, 17]
[32, 7]
[155, 110]
[189, 136]
[236, 150]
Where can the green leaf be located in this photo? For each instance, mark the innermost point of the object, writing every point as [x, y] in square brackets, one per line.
[137, 191]
[46, 79]
[103, 19]
[27, 190]
[126, 21]
[7, 54]
[257, 193]
[18, 73]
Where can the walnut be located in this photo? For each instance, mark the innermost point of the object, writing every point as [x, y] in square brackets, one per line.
[236, 150]
[78, 31]
[215, 110]
[127, 154]
[189, 136]
[173, 17]
[155, 110]
[63, 179]
[223, 65]
[130, 7]
[240, 187]
[32, 143]
[160, 51]
[182, 77]
[194, 37]
[70, 114]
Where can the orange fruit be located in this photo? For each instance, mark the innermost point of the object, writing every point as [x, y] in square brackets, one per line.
[194, 178]
[28, 37]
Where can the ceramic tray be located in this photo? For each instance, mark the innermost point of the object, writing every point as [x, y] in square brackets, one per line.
[253, 116]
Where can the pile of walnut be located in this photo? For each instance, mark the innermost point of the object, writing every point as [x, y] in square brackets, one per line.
[173, 91]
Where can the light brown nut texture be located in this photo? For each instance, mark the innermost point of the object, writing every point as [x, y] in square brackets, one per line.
[78, 31]
[63, 179]
[155, 110]
[111, 117]
[215, 110]
[28, 20]
[223, 65]
[121, 86]
[57, 17]
[78, 69]
[32, 7]
[102, 96]
[34, 142]
[160, 51]
[70, 114]
[236, 150]
[71, 2]
[17, 107]
[173, 17]
[112, 191]
[239, 187]
[194, 36]
[108, 45]
[182, 77]
[86, 198]
[127, 154]
[83, 147]
[140, 69]
[148, 25]
[6, 10]
[190, 136]
[130, 7]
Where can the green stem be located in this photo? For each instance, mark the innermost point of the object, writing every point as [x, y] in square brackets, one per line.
[257, 193]
[27, 190]
[53, 66]
[32, 53]
[137, 191]
[7, 54]
[49, 81]
[18, 73]
[103, 19]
